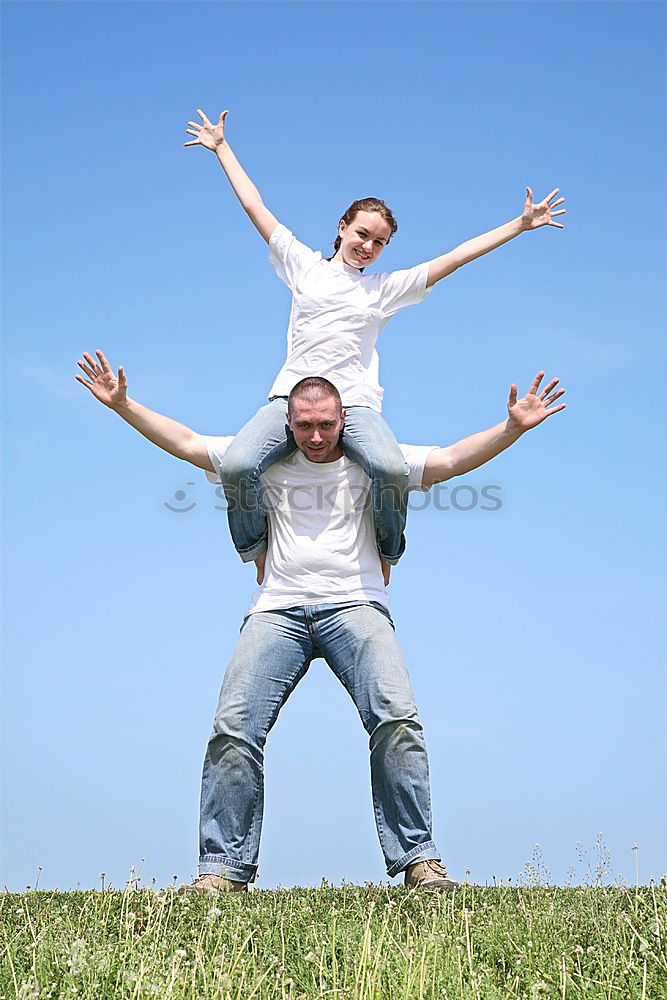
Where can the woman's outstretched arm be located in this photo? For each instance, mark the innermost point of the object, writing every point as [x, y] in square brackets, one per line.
[532, 217]
[213, 137]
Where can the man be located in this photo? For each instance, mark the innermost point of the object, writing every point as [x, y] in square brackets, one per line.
[322, 595]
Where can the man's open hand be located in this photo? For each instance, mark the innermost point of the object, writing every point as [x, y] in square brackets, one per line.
[542, 214]
[110, 389]
[533, 408]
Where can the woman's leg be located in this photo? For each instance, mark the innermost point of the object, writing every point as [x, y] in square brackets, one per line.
[264, 440]
[368, 440]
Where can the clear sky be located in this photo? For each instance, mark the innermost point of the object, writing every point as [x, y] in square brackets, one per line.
[533, 632]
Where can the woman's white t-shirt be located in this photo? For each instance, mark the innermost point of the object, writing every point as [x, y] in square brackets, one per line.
[337, 315]
[322, 547]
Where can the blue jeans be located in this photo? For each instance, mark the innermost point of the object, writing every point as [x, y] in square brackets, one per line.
[273, 653]
[366, 439]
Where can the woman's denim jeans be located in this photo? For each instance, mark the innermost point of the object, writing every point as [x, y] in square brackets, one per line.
[273, 653]
[366, 439]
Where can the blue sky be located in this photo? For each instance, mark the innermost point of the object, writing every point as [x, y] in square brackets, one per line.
[533, 633]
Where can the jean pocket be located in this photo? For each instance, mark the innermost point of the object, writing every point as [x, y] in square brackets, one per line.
[383, 611]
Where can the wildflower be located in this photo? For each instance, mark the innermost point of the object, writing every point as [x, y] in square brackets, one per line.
[214, 912]
[539, 989]
[77, 960]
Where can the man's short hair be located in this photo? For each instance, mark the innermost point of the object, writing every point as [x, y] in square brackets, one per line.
[314, 389]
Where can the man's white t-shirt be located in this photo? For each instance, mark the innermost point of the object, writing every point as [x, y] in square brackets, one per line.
[322, 547]
[337, 315]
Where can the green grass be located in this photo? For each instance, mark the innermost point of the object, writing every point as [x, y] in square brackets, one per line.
[369, 942]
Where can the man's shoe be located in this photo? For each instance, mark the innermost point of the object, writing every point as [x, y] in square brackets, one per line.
[213, 884]
[428, 875]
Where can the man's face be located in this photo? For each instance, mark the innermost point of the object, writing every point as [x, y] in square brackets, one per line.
[316, 428]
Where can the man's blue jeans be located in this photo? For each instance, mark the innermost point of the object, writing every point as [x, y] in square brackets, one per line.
[366, 439]
[273, 653]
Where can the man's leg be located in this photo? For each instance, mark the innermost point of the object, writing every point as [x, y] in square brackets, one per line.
[359, 644]
[273, 653]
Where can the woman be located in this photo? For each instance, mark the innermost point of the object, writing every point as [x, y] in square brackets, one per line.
[337, 314]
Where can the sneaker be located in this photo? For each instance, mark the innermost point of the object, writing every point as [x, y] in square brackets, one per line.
[213, 884]
[428, 875]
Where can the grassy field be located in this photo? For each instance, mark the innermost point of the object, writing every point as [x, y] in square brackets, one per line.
[337, 942]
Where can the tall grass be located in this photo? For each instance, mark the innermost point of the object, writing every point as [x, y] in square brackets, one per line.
[529, 941]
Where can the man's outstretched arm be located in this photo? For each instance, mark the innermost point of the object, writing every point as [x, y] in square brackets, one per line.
[471, 452]
[168, 434]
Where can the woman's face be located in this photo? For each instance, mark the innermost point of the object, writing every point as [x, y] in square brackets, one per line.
[363, 239]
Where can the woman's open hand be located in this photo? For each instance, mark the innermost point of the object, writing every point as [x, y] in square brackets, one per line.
[207, 134]
[542, 214]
